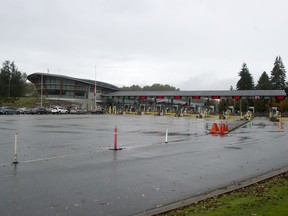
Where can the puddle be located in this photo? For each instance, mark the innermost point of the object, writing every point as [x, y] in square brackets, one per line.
[232, 147]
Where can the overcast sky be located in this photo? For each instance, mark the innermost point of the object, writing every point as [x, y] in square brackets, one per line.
[189, 44]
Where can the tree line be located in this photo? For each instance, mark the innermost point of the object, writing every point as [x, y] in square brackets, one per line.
[12, 82]
[154, 87]
[276, 81]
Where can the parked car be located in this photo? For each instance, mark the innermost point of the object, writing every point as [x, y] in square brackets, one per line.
[59, 110]
[39, 111]
[25, 110]
[97, 111]
[75, 110]
[9, 111]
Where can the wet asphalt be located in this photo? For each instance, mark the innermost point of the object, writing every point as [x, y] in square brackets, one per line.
[66, 168]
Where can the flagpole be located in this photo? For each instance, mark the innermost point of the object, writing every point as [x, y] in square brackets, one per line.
[95, 91]
[41, 103]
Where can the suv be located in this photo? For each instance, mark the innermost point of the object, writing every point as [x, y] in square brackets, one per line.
[59, 110]
[39, 111]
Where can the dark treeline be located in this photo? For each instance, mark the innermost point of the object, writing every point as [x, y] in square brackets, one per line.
[12, 82]
[276, 81]
[154, 87]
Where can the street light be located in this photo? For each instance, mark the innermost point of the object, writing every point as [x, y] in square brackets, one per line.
[9, 85]
[42, 90]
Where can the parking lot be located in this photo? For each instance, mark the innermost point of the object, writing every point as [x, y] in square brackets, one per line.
[66, 168]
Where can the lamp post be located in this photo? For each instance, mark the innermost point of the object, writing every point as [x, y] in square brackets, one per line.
[9, 86]
[95, 91]
[41, 90]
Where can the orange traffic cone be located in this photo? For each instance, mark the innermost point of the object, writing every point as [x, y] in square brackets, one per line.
[214, 129]
[222, 128]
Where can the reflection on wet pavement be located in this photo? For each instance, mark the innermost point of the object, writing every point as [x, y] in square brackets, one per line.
[66, 168]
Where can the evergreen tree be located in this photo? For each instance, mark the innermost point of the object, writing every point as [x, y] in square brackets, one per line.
[12, 81]
[264, 82]
[278, 75]
[132, 88]
[246, 80]
[154, 87]
[159, 87]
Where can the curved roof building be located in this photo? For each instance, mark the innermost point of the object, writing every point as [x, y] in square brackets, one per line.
[61, 87]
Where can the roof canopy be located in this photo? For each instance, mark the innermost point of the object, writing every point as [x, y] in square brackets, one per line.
[241, 93]
[36, 76]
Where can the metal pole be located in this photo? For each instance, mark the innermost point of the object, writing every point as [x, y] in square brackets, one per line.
[15, 149]
[166, 137]
[42, 90]
[9, 87]
[115, 138]
[241, 107]
[95, 91]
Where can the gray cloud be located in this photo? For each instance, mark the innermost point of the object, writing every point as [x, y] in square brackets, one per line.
[143, 42]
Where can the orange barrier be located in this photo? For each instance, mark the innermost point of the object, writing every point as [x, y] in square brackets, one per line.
[223, 129]
[214, 129]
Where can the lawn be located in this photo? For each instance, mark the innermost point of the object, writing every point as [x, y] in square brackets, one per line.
[269, 197]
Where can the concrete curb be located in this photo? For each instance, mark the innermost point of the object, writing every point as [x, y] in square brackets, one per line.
[220, 191]
[240, 124]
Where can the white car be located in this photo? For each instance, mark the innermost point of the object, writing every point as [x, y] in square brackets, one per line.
[59, 110]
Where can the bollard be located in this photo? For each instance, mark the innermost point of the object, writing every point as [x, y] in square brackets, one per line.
[166, 137]
[280, 125]
[15, 149]
[115, 140]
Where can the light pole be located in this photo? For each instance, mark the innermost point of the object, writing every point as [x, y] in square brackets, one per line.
[41, 90]
[9, 85]
[95, 91]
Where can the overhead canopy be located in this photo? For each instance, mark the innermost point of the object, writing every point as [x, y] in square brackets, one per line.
[209, 94]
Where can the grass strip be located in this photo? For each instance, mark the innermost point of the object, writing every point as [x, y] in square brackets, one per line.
[269, 197]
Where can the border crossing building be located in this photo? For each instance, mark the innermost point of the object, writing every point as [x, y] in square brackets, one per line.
[58, 87]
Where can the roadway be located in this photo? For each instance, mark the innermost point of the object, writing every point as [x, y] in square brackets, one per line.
[66, 168]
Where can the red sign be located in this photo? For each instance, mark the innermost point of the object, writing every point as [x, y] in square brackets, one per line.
[177, 97]
[236, 97]
[159, 97]
[196, 97]
[280, 97]
[215, 97]
[143, 97]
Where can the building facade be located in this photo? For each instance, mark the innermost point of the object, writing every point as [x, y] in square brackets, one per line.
[58, 87]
